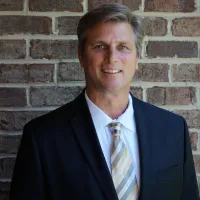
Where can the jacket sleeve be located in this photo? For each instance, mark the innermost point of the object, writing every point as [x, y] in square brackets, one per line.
[190, 188]
[28, 179]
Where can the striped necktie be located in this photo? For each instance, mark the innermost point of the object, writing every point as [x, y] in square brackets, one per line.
[123, 172]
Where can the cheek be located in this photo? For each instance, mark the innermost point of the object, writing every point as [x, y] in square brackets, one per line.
[129, 60]
[95, 60]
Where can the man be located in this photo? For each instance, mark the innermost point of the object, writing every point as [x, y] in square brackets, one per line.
[106, 144]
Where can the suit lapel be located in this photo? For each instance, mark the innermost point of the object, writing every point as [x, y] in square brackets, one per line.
[146, 149]
[87, 138]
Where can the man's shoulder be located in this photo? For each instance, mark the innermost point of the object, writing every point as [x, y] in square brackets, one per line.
[54, 117]
[154, 111]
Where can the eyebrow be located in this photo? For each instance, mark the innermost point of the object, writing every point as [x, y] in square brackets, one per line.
[119, 42]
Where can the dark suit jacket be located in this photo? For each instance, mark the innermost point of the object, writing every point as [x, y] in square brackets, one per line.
[60, 157]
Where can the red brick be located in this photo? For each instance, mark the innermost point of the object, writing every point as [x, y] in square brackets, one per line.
[53, 96]
[56, 5]
[12, 49]
[155, 26]
[6, 167]
[192, 117]
[13, 73]
[15, 120]
[186, 26]
[68, 25]
[95, 3]
[11, 5]
[172, 49]
[9, 144]
[11, 25]
[4, 195]
[193, 140]
[186, 72]
[152, 72]
[137, 92]
[171, 95]
[40, 73]
[26, 73]
[170, 5]
[133, 5]
[12, 97]
[70, 72]
[197, 163]
[54, 49]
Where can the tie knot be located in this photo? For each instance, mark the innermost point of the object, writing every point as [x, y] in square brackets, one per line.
[115, 128]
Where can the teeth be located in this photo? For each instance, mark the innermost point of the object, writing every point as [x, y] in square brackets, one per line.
[113, 71]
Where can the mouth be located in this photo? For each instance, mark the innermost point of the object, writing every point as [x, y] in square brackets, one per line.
[111, 71]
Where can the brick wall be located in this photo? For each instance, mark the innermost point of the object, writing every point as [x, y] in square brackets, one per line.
[39, 70]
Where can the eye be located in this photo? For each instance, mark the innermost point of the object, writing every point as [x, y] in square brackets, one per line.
[99, 46]
[123, 47]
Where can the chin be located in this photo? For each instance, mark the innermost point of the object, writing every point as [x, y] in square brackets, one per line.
[112, 89]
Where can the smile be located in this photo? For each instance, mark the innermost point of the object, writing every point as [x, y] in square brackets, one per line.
[111, 71]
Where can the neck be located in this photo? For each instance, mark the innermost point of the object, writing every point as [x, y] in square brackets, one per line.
[113, 104]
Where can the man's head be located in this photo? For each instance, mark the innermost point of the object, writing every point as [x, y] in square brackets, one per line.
[109, 48]
[110, 13]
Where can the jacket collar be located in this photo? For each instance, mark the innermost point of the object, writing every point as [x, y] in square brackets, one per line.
[87, 138]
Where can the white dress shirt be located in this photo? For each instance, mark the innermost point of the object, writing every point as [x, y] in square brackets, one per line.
[128, 132]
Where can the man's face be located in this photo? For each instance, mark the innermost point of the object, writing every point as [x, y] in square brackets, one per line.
[109, 59]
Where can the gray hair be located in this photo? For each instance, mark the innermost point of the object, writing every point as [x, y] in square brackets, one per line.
[106, 13]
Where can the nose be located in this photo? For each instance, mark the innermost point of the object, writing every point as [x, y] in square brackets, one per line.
[112, 56]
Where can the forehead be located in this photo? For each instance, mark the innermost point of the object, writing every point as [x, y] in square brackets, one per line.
[111, 31]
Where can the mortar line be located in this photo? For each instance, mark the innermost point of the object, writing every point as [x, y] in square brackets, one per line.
[2, 156]
[37, 36]
[68, 13]
[64, 84]
[5, 180]
[28, 97]
[6, 133]
[194, 130]
[36, 61]
[198, 96]
[27, 48]
[143, 60]
[26, 6]
[198, 5]
[142, 7]
[81, 83]
[196, 153]
[172, 38]
[169, 27]
[178, 107]
[85, 6]
[55, 74]
[167, 14]
[198, 142]
[49, 108]
[170, 73]
[54, 26]
[144, 45]
[144, 94]
[26, 109]
[166, 38]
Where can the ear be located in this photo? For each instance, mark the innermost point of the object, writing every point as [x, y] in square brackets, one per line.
[80, 57]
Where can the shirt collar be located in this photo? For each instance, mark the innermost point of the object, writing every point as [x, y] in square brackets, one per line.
[126, 118]
[102, 119]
